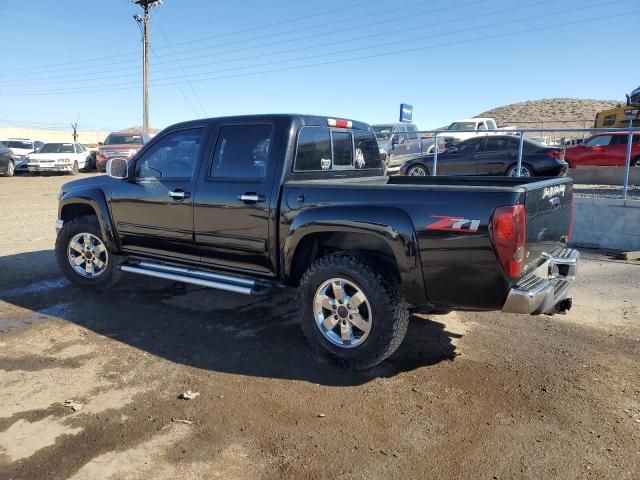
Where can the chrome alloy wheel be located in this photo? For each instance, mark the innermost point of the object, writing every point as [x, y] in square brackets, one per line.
[417, 171]
[342, 313]
[87, 255]
[524, 171]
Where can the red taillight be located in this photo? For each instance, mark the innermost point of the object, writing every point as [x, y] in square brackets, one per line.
[559, 154]
[509, 237]
[570, 224]
[332, 122]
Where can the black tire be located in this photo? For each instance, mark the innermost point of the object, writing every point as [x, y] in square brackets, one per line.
[11, 169]
[389, 310]
[85, 224]
[635, 162]
[75, 169]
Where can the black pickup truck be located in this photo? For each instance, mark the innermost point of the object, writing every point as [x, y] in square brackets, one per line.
[241, 203]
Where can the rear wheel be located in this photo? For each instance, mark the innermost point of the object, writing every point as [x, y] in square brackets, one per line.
[525, 171]
[352, 312]
[417, 171]
[82, 254]
[11, 169]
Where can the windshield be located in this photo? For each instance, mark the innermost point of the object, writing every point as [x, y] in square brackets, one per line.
[123, 140]
[383, 132]
[462, 126]
[57, 148]
[18, 144]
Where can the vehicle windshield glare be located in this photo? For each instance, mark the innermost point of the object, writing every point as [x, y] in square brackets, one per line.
[57, 148]
[383, 132]
[462, 126]
[123, 140]
[17, 144]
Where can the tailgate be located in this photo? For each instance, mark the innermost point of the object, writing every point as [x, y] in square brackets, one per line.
[549, 210]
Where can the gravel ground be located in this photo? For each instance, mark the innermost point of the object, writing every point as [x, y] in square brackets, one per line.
[606, 191]
[467, 395]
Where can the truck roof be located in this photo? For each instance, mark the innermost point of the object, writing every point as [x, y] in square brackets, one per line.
[303, 119]
[474, 119]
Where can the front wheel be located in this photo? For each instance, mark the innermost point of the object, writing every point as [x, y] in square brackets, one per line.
[11, 169]
[82, 254]
[636, 162]
[417, 171]
[525, 171]
[75, 169]
[352, 312]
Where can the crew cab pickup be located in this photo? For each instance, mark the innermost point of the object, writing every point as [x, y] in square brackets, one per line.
[467, 128]
[242, 203]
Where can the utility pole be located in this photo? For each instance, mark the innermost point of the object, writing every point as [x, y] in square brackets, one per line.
[143, 22]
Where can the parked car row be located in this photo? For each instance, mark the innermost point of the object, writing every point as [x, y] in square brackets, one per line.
[35, 156]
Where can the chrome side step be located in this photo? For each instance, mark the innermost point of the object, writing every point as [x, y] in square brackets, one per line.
[195, 277]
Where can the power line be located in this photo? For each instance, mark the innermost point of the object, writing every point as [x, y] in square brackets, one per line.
[342, 52]
[186, 77]
[367, 57]
[57, 22]
[46, 77]
[227, 34]
[173, 79]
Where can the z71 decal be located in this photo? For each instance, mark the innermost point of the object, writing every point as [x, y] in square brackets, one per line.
[454, 224]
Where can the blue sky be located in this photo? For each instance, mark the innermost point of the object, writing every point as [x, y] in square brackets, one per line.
[357, 59]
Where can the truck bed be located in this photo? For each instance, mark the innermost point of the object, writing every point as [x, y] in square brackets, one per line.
[459, 260]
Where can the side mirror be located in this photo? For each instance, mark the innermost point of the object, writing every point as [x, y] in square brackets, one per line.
[452, 150]
[100, 143]
[395, 140]
[118, 168]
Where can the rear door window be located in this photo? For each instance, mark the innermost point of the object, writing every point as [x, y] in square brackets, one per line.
[412, 129]
[242, 151]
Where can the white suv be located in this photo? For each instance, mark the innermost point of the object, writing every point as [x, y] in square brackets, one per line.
[21, 147]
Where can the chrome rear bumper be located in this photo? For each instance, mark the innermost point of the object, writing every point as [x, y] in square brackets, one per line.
[544, 290]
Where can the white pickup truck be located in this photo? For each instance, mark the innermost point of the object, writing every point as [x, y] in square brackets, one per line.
[456, 133]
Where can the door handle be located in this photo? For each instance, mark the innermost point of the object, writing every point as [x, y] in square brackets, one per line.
[251, 197]
[179, 194]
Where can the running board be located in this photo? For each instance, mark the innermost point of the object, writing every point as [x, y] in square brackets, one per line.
[195, 277]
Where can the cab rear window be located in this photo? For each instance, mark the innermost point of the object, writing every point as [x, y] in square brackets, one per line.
[322, 148]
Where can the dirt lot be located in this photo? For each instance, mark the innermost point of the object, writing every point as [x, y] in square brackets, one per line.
[473, 395]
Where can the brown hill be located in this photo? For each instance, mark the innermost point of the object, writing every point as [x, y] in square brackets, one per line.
[550, 112]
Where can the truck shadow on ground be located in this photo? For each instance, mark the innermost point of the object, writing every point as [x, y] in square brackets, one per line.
[207, 329]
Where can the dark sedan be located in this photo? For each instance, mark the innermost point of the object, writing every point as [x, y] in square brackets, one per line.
[7, 161]
[492, 155]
